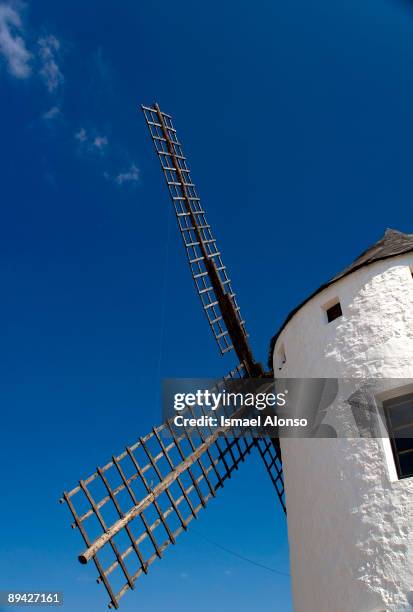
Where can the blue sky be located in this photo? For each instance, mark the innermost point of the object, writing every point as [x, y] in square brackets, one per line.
[296, 118]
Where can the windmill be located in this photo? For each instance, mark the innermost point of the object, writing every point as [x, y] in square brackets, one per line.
[130, 510]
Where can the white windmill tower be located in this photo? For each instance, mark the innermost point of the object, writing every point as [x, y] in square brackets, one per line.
[350, 501]
[349, 505]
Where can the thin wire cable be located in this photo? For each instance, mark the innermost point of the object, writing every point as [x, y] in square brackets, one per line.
[239, 556]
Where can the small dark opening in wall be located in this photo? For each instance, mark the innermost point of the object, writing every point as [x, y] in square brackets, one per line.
[281, 357]
[334, 312]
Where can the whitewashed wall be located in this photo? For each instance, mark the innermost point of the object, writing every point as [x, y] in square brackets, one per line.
[350, 520]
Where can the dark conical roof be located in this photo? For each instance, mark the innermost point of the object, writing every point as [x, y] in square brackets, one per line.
[393, 243]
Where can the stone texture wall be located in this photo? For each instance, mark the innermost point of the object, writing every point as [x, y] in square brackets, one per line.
[350, 520]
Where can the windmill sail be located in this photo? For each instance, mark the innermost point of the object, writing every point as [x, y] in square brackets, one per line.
[270, 451]
[130, 510]
[207, 268]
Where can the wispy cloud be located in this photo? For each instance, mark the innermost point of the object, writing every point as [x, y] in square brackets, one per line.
[130, 176]
[12, 45]
[91, 141]
[100, 142]
[48, 52]
[52, 113]
[16, 54]
[95, 147]
[81, 135]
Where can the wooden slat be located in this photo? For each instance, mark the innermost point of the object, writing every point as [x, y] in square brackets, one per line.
[194, 481]
[155, 503]
[103, 525]
[168, 493]
[179, 481]
[82, 530]
[120, 513]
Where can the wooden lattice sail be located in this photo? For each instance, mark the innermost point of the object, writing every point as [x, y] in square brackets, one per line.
[130, 510]
[208, 270]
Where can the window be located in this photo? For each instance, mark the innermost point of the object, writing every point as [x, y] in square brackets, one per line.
[281, 358]
[399, 416]
[333, 312]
